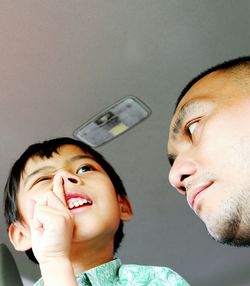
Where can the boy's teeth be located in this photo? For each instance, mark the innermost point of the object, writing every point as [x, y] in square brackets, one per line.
[76, 202]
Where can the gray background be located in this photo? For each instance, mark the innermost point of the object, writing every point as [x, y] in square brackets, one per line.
[61, 62]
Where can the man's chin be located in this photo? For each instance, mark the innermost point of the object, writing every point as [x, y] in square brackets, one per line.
[231, 238]
[232, 242]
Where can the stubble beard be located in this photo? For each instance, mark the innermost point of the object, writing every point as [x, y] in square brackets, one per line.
[231, 223]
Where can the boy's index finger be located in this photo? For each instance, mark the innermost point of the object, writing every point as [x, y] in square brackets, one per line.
[58, 188]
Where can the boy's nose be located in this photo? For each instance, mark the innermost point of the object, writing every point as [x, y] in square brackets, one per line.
[69, 177]
[180, 172]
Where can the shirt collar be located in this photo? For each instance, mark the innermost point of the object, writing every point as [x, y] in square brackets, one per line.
[105, 274]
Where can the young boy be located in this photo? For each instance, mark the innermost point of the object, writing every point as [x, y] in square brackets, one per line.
[65, 206]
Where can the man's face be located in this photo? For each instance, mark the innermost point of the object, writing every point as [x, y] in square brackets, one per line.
[89, 193]
[209, 150]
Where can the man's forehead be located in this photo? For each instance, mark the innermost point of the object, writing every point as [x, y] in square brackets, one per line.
[204, 86]
[220, 86]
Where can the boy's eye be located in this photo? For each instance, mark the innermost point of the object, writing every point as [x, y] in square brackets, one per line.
[84, 169]
[42, 179]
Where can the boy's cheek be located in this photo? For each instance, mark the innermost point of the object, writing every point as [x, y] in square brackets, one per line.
[30, 207]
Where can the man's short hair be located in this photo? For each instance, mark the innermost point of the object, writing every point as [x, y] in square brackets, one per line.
[240, 62]
[46, 150]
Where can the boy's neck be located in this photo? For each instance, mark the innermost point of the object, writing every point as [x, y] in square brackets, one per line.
[84, 257]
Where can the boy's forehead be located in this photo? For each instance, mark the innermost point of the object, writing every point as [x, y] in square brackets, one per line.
[61, 154]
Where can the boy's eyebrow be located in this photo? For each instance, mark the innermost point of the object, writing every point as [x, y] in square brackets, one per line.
[81, 156]
[47, 168]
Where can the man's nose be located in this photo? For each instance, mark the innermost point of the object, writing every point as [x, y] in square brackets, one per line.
[69, 177]
[180, 172]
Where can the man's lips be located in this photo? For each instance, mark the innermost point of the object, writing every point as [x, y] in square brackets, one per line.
[192, 193]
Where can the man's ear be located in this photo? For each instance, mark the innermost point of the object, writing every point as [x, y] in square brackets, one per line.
[125, 208]
[19, 236]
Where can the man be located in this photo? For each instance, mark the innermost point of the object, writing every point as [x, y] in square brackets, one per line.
[209, 149]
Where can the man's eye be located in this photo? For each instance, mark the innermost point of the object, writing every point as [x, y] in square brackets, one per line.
[191, 127]
[85, 169]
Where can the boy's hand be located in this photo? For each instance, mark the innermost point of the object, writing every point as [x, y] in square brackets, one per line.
[51, 225]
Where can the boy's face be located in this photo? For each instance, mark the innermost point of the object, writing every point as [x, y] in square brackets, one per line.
[89, 192]
[209, 145]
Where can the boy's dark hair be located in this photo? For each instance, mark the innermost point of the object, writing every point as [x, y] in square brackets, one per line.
[46, 149]
[227, 65]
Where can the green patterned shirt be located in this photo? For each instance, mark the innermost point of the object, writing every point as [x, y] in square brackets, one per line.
[114, 273]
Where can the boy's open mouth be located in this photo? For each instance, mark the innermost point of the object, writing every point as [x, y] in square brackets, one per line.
[77, 202]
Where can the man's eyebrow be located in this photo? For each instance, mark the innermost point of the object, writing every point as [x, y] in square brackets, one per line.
[186, 109]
